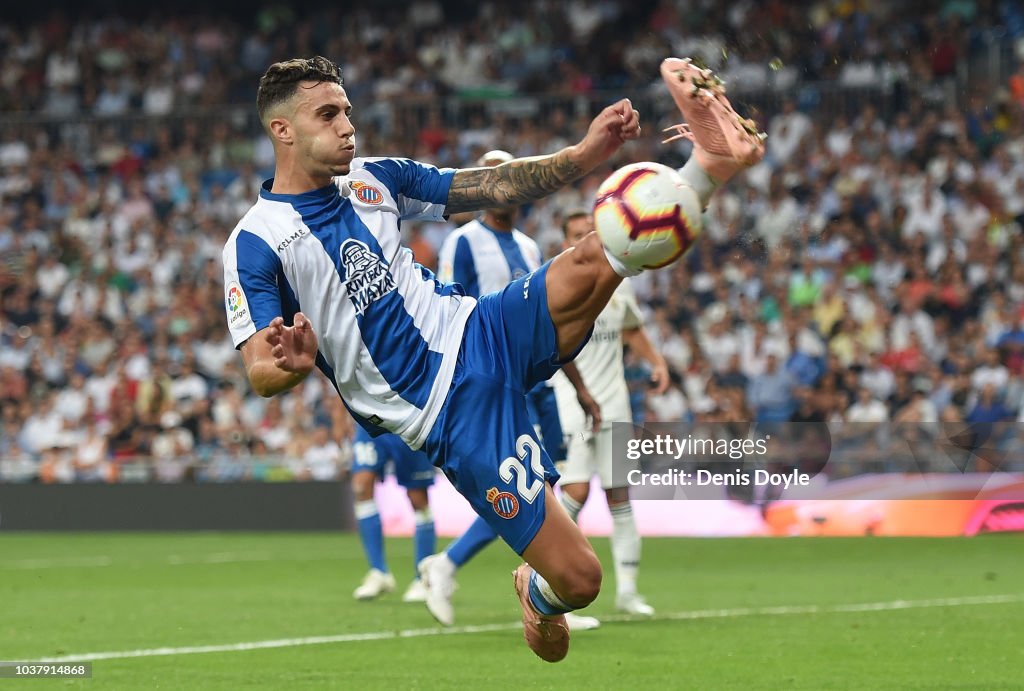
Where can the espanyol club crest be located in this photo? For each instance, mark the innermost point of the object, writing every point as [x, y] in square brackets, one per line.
[504, 504]
[367, 193]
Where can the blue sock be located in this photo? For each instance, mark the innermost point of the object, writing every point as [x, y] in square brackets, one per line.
[543, 598]
[425, 539]
[371, 534]
[476, 537]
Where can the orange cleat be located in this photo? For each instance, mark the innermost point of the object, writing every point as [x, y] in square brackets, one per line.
[547, 636]
[724, 143]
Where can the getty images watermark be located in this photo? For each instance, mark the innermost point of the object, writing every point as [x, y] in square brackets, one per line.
[706, 448]
[758, 461]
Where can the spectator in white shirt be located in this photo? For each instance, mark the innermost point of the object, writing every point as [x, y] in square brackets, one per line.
[991, 373]
[788, 131]
[323, 457]
[924, 212]
[911, 319]
[867, 409]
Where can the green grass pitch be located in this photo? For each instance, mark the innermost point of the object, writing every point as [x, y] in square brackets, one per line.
[959, 625]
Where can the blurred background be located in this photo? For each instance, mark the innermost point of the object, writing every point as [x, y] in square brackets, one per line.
[871, 269]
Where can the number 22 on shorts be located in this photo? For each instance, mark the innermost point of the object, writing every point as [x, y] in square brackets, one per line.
[525, 446]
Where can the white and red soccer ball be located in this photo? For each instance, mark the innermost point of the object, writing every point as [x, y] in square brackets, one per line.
[646, 215]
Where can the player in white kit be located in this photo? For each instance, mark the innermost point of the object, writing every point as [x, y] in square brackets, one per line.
[590, 453]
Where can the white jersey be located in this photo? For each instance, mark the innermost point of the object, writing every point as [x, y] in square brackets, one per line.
[389, 332]
[600, 365]
[484, 260]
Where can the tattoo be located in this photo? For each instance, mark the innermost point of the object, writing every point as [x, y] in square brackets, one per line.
[510, 184]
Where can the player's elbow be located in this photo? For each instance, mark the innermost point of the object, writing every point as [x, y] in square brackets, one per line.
[262, 390]
[262, 386]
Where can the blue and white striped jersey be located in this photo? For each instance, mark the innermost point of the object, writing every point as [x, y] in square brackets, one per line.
[483, 260]
[389, 332]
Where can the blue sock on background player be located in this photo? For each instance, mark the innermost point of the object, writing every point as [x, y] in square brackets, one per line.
[371, 534]
[476, 537]
[425, 538]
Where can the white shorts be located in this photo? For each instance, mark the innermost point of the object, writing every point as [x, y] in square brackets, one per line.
[592, 454]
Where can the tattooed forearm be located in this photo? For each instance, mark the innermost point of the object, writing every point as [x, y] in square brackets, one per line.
[516, 182]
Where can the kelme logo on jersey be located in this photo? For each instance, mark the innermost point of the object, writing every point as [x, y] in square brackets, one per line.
[236, 304]
[504, 504]
[366, 275]
[366, 193]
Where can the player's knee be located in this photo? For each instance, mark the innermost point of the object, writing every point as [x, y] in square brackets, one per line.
[578, 491]
[617, 496]
[419, 499]
[589, 250]
[362, 486]
[583, 583]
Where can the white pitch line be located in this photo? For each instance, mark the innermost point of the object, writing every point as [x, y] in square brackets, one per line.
[488, 628]
[169, 560]
[55, 563]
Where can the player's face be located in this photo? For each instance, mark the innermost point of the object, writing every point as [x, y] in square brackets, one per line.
[324, 134]
[577, 229]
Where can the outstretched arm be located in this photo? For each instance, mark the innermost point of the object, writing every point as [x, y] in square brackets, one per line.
[280, 357]
[525, 180]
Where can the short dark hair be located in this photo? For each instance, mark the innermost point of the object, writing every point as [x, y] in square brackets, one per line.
[281, 80]
[572, 216]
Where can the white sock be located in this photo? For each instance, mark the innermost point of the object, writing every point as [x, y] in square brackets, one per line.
[366, 508]
[625, 548]
[699, 180]
[544, 599]
[618, 267]
[571, 506]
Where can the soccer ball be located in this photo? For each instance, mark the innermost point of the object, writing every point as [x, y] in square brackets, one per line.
[646, 215]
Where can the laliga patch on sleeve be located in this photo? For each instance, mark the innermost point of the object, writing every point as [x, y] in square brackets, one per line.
[238, 308]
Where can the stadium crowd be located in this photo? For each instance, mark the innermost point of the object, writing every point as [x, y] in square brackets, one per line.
[870, 269]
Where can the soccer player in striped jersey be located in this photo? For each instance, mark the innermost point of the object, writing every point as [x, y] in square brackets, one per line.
[315, 276]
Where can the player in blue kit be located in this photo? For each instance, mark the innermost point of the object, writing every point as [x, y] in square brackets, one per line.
[413, 471]
[315, 276]
[483, 256]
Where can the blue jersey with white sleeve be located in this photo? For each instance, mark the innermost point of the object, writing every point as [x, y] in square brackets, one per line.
[389, 331]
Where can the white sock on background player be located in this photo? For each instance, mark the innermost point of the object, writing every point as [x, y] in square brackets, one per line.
[625, 548]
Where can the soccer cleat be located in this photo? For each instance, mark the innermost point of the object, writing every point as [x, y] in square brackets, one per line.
[437, 573]
[578, 622]
[632, 603]
[374, 584]
[547, 635]
[416, 592]
[724, 143]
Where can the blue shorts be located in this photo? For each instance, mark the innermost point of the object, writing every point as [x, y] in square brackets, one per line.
[483, 439]
[412, 469]
[543, 412]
